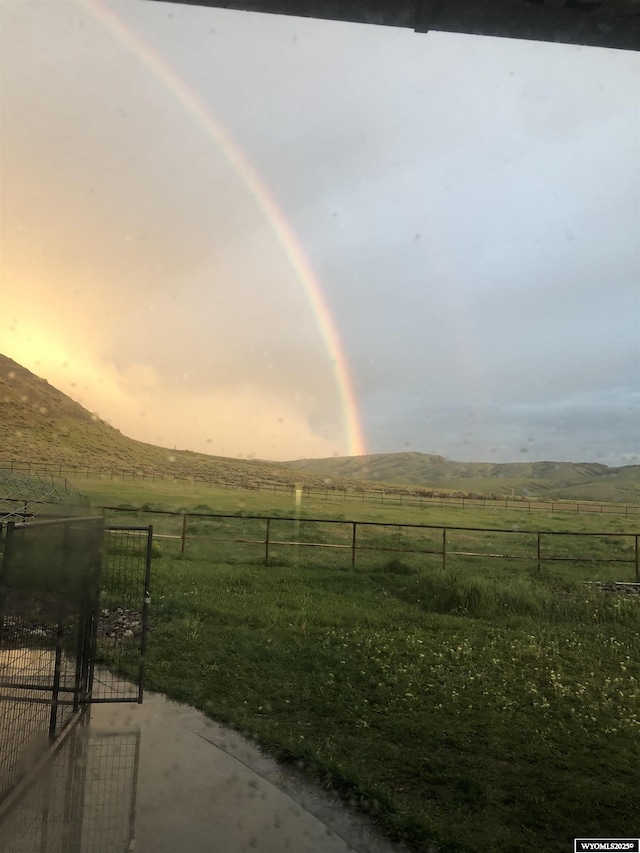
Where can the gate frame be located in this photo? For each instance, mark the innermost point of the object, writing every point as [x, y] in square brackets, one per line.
[146, 600]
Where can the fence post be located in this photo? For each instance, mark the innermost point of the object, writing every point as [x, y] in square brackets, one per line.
[637, 561]
[8, 551]
[145, 612]
[353, 546]
[57, 672]
[444, 547]
[538, 550]
[184, 532]
[266, 542]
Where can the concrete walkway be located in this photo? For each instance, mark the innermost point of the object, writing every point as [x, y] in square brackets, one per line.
[162, 778]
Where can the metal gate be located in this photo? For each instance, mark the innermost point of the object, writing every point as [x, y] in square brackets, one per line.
[83, 800]
[49, 585]
[74, 599]
[122, 618]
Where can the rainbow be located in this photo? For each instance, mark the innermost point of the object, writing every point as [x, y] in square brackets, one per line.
[264, 200]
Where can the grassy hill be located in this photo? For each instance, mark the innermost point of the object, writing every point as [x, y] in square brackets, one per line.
[573, 481]
[38, 423]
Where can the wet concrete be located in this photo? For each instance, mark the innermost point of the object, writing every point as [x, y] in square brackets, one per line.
[162, 778]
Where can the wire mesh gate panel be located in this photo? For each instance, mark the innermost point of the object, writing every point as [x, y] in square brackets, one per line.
[121, 630]
[73, 601]
[49, 587]
[83, 801]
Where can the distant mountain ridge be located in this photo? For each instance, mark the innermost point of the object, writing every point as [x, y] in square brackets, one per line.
[38, 423]
[571, 480]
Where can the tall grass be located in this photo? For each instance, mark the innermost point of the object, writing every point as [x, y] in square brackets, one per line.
[468, 591]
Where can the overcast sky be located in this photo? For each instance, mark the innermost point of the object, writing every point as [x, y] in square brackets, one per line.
[469, 207]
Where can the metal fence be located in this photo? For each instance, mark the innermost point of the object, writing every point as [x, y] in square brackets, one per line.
[73, 616]
[390, 495]
[84, 798]
[596, 555]
[122, 620]
[24, 495]
[49, 586]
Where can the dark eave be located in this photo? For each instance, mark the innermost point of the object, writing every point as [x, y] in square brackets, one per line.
[598, 23]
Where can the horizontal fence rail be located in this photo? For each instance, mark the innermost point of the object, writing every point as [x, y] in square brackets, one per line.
[355, 537]
[389, 496]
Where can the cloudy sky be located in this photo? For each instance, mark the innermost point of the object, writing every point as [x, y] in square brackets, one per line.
[254, 235]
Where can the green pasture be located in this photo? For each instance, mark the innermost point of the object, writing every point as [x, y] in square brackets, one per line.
[512, 533]
[176, 494]
[199, 497]
[473, 709]
[480, 704]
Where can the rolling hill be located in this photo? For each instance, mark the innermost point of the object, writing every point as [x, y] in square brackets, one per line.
[569, 480]
[38, 423]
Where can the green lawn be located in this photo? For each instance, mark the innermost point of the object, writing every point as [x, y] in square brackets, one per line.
[481, 706]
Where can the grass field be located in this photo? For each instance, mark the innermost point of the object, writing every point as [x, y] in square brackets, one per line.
[177, 495]
[615, 547]
[480, 706]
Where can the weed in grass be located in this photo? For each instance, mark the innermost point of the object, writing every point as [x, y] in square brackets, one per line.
[192, 627]
[396, 566]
